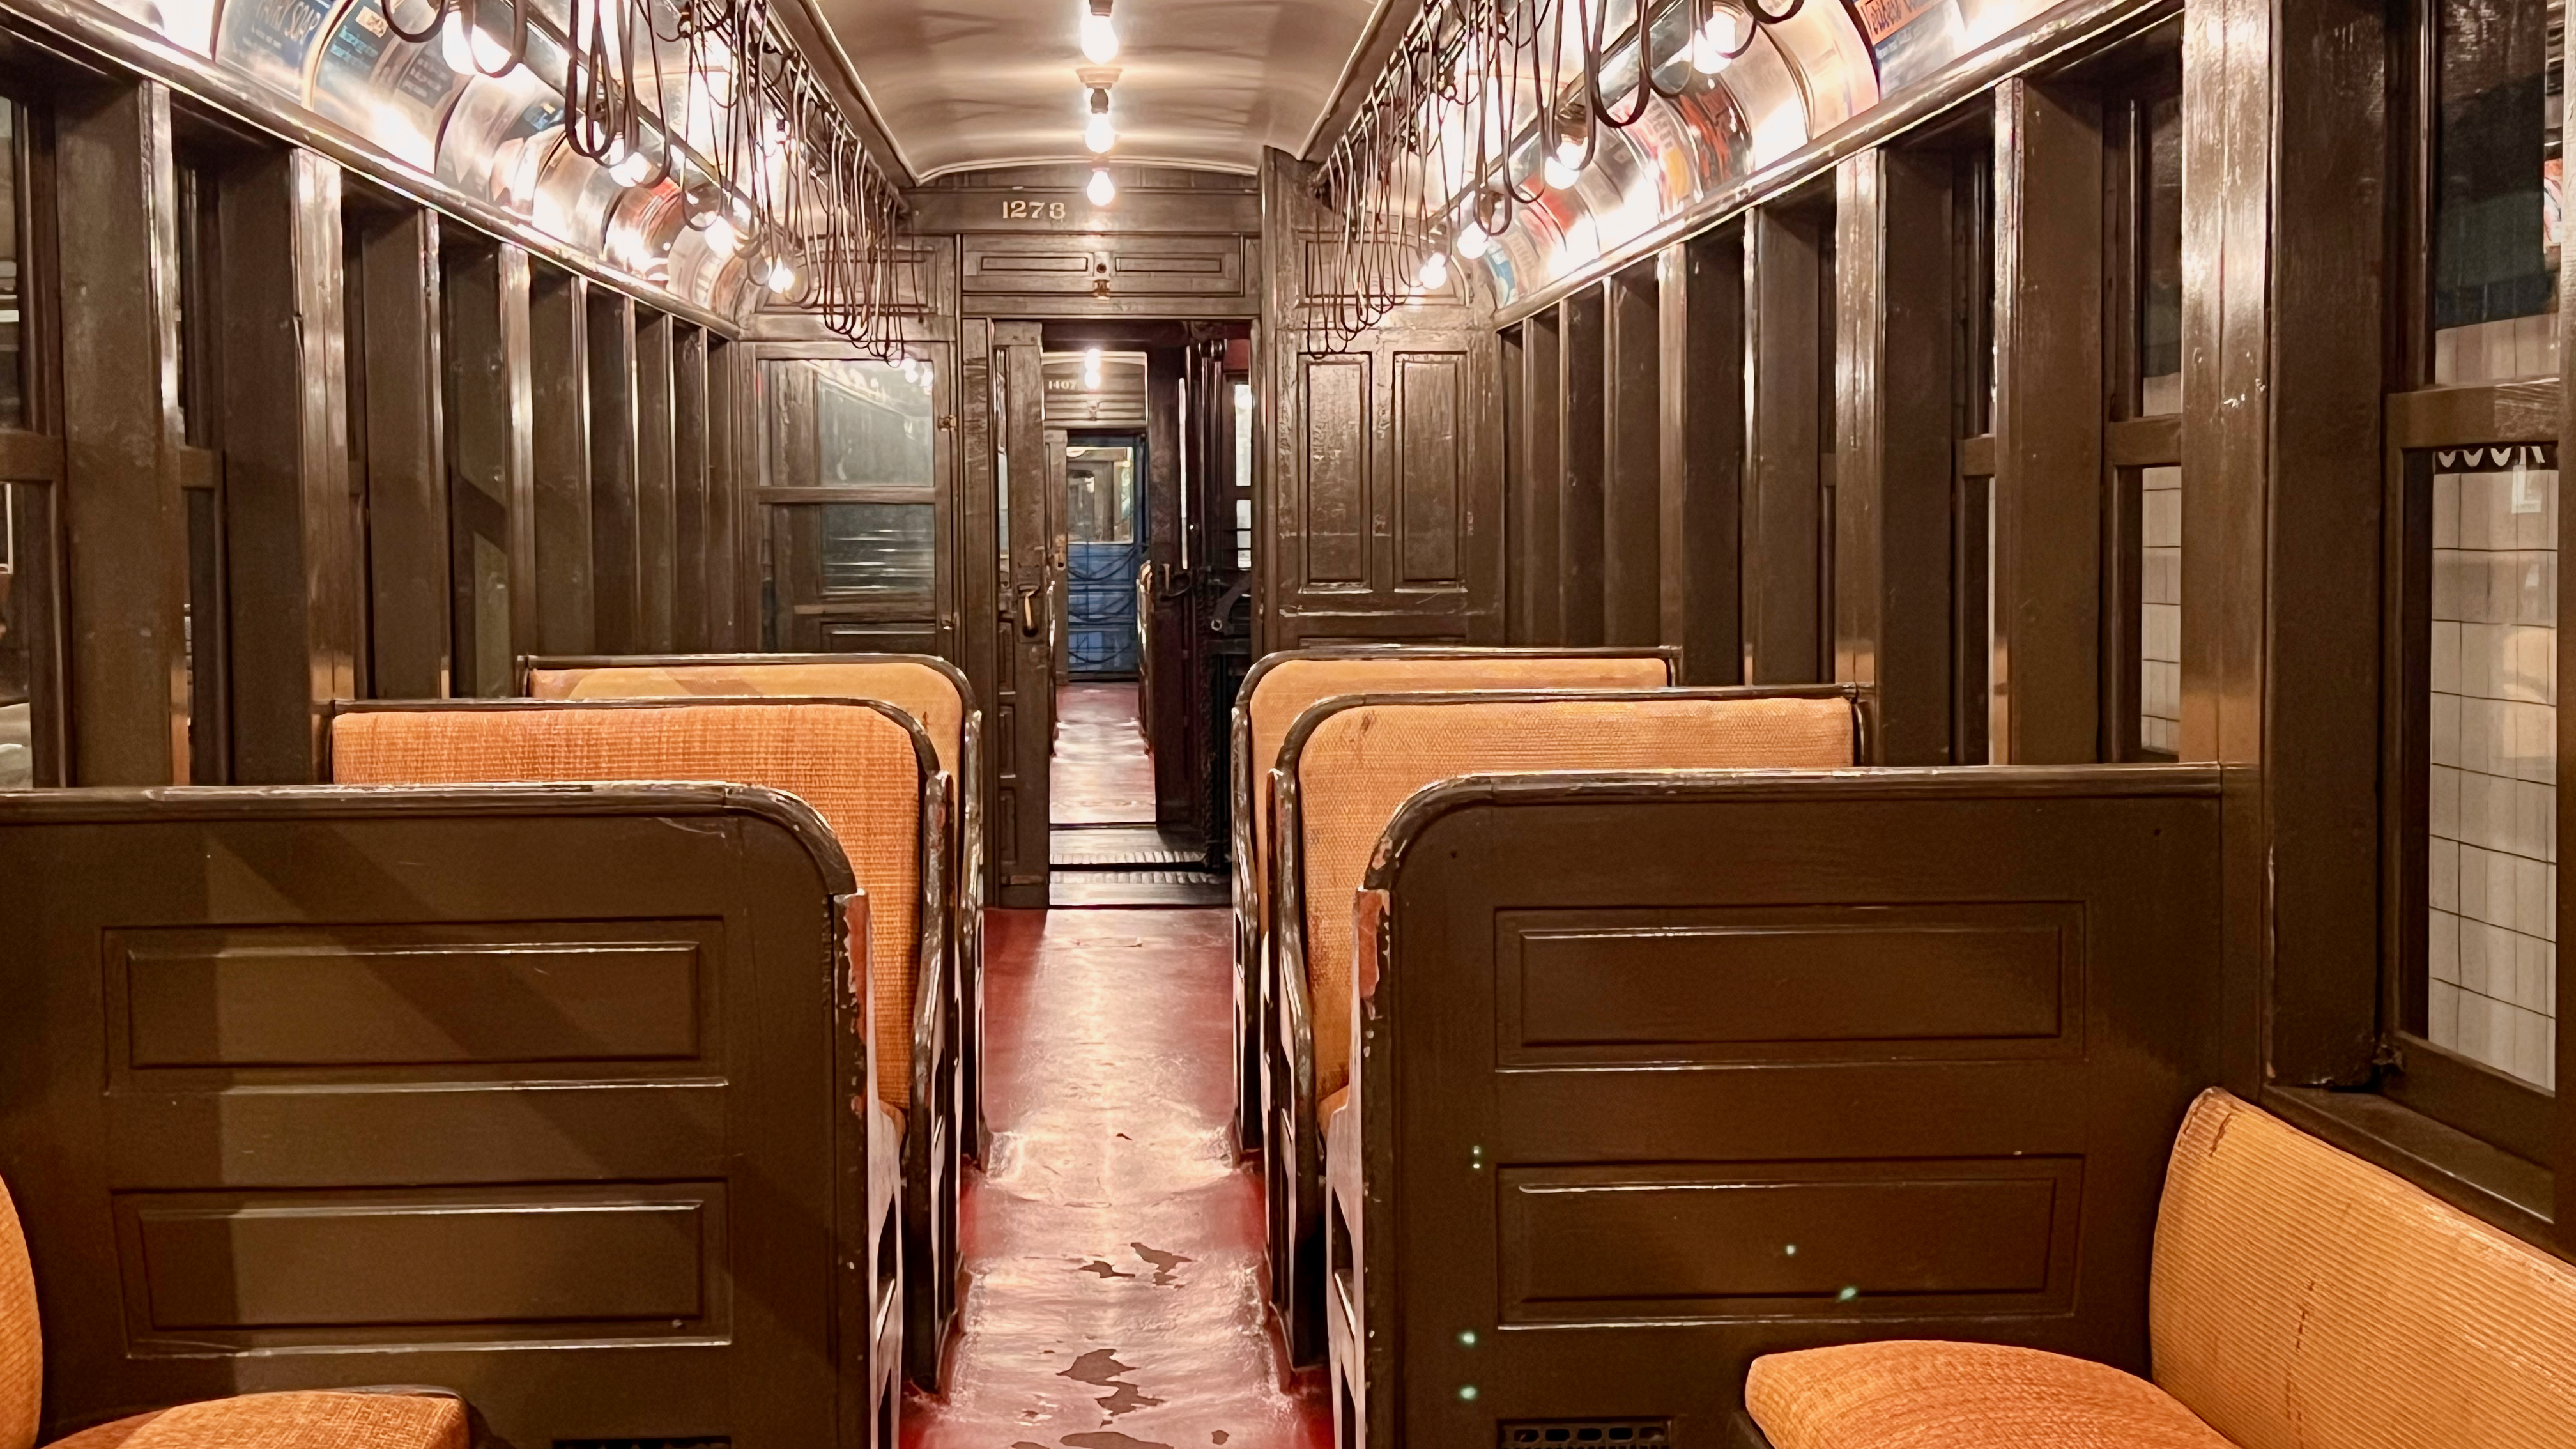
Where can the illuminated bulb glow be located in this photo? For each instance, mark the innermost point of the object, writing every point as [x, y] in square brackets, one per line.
[1719, 42]
[1472, 242]
[782, 277]
[1434, 273]
[1099, 135]
[722, 239]
[1099, 39]
[1102, 190]
[627, 168]
[1091, 369]
[1560, 173]
[480, 52]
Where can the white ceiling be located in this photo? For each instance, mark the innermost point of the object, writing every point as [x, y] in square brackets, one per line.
[1203, 83]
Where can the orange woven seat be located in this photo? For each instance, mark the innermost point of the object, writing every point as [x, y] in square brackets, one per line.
[2302, 1299]
[319, 1420]
[916, 687]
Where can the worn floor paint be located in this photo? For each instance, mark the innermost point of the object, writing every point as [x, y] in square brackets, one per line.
[1114, 1246]
[1101, 774]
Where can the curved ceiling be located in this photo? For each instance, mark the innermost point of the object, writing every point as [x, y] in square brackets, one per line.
[963, 84]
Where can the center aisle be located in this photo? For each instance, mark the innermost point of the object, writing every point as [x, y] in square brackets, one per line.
[1114, 1246]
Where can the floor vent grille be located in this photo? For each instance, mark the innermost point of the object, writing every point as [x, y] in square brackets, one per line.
[1586, 1433]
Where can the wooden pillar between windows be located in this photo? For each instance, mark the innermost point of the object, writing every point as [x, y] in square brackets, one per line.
[1894, 323]
[1579, 439]
[123, 521]
[1632, 460]
[656, 510]
[1700, 300]
[2047, 680]
[291, 555]
[1541, 581]
[402, 379]
[690, 528]
[559, 367]
[1784, 522]
[616, 559]
[490, 407]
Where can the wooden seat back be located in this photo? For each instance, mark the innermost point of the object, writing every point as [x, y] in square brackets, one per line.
[510, 1089]
[867, 769]
[2306, 1299]
[1354, 760]
[1663, 1071]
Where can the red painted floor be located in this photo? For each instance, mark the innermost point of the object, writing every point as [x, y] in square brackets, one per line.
[1101, 773]
[1114, 1245]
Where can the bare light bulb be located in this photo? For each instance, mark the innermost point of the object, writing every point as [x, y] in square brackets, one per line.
[1720, 41]
[1099, 135]
[782, 277]
[1102, 190]
[722, 239]
[469, 48]
[1434, 274]
[1091, 369]
[625, 167]
[1472, 242]
[1560, 172]
[1099, 38]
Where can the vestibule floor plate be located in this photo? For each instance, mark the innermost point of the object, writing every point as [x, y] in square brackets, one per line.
[1113, 1242]
[1086, 846]
[1138, 888]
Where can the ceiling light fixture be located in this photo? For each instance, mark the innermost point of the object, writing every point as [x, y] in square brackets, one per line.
[1472, 242]
[1091, 369]
[1102, 190]
[1728, 32]
[1564, 166]
[782, 277]
[1097, 133]
[1434, 274]
[1099, 37]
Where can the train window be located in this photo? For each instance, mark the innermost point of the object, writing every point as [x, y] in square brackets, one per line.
[17, 656]
[2142, 291]
[2473, 1003]
[2159, 535]
[1243, 476]
[1977, 643]
[852, 511]
[31, 696]
[2157, 123]
[2493, 189]
[206, 619]
[13, 347]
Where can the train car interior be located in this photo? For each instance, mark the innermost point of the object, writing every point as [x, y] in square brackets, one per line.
[1284, 724]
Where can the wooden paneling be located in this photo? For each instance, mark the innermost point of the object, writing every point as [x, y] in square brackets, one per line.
[1024, 697]
[392, 1123]
[1429, 405]
[491, 458]
[1537, 586]
[1333, 448]
[120, 508]
[1382, 498]
[1894, 325]
[1632, 459]
[1700, 297]
[657, 519]
[1597, 1093]
[559, 357]
[1582, 457]
[2049, 387]
[689, 494]
[400, 372]
[1785, 523]
[291, 567]
[617, 598]
[732, 583]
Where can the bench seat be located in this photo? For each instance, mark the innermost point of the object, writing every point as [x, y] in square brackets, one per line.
[2301, 1299]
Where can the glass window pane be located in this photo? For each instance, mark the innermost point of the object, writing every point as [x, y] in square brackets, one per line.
[2160, 610]
[1100, 495]
[872, 424]
[876, 551]
[2495, 189]
[2160, 259]
[2491, 822]
[18, 621]
[13, 364]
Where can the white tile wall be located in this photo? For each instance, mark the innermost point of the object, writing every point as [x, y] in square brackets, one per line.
[2160, 609]
[2493, 892]
[2497, 351]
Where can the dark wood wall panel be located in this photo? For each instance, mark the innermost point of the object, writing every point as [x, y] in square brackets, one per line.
[1700, 304]
[617, 599]
[1632, 459]
[1538, 577]
[559, 357]
[1785, 523]
[657, 517]
[400, 370]
[1333, 492]
[690, 498]
[291, 569]
[1894, 334]
[1582, 454]
[1430, 519]
[490, 397]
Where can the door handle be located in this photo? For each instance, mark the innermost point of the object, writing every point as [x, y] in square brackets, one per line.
[1028, 613]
